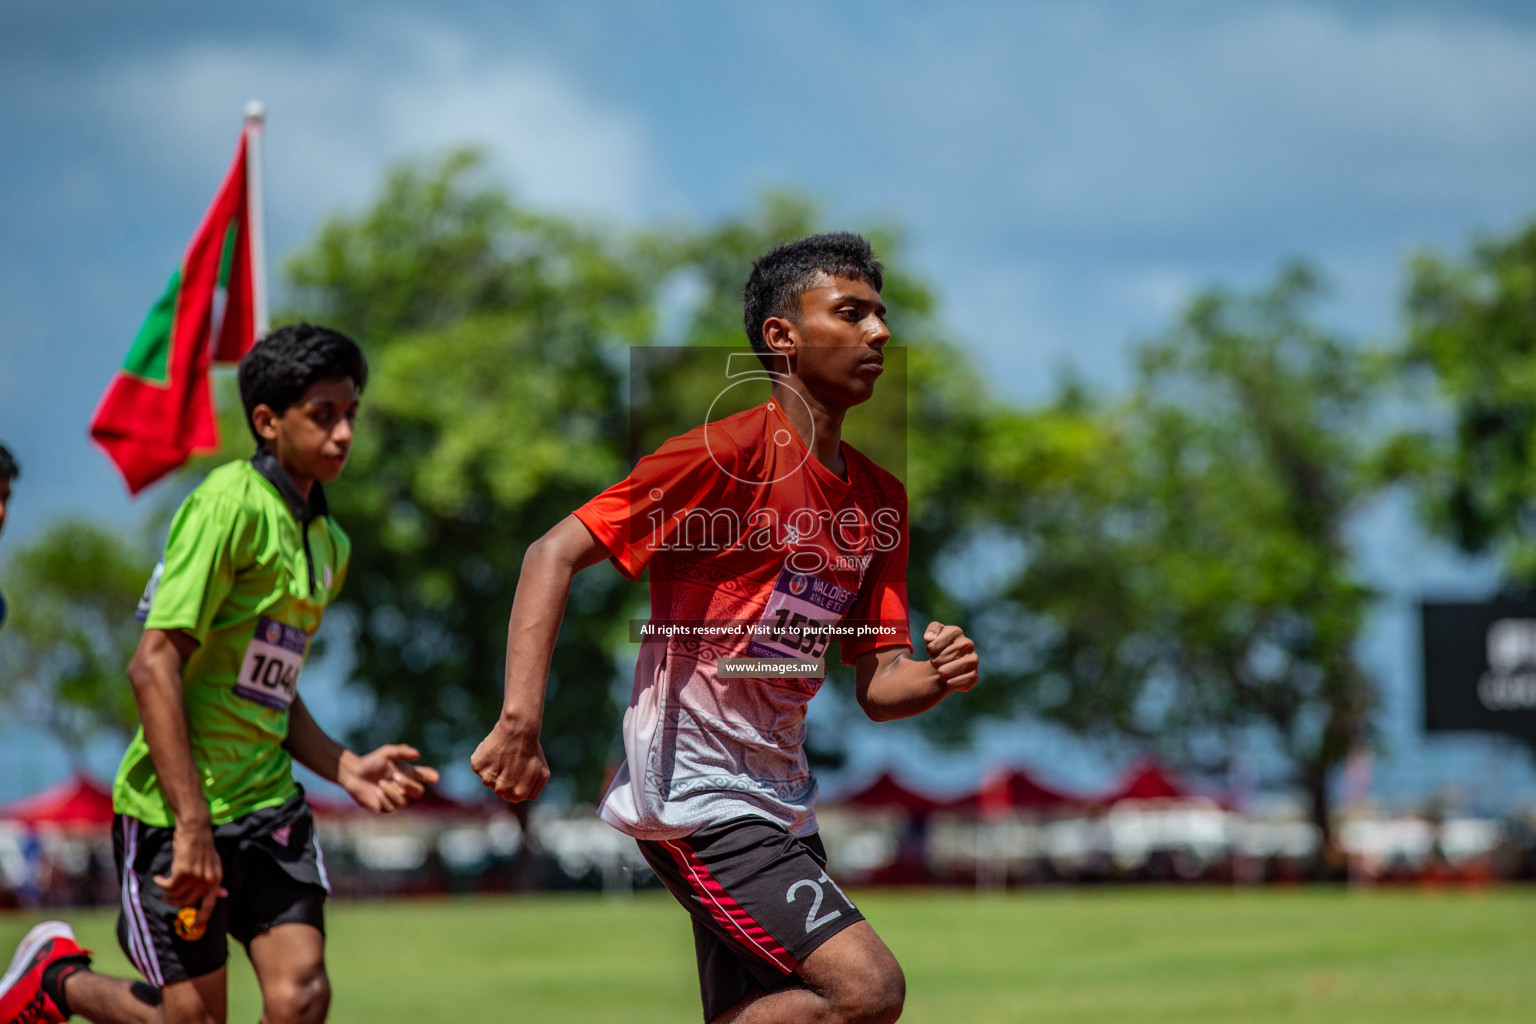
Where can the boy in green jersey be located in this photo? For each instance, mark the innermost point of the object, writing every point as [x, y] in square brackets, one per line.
[213, 836]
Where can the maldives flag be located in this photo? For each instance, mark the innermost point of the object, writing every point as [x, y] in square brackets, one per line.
[158, 410]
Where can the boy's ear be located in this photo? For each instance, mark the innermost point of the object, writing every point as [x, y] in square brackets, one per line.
[780, 335]
[265, 422]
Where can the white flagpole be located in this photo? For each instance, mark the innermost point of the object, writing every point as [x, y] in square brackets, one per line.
[255, 124]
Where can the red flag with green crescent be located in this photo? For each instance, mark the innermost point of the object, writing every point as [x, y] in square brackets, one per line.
[158, 410]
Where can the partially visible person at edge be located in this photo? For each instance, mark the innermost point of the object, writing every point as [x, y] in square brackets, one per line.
[804, 534]
[9, 471]
[213, 837]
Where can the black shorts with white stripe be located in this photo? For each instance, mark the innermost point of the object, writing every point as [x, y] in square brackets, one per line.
[273, 870]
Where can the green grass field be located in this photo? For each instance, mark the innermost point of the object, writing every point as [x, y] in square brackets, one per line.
[1083, 956]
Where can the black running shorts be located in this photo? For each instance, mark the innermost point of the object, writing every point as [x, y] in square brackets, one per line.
[761, 903]
[272, 868]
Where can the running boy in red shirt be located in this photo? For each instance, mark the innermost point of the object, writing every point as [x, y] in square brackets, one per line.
[765, 536]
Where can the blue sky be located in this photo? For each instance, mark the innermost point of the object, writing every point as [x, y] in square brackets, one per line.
[1067, 174]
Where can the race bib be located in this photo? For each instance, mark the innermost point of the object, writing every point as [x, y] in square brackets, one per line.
[800, 612]
[147, 601]
[270, 672]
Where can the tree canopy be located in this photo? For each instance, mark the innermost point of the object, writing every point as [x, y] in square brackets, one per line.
[65, 647]
[1185, 573]
[1470, 350]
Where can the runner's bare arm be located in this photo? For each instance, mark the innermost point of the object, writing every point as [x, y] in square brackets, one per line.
[155, 673]
[891, 685]
[510, 759]
[381, 781]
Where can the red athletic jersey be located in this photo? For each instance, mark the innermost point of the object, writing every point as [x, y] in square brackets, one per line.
[749, 540]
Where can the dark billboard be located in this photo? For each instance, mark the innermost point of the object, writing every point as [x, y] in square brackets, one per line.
[1480, 667]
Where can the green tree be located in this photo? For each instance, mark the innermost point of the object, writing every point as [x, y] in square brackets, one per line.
[1185, 573]
[493, 409]
[65, 648]
[1470, 349]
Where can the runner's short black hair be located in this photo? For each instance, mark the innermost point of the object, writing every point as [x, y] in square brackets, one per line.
[782, 274]
[282, 366]
[8, 468]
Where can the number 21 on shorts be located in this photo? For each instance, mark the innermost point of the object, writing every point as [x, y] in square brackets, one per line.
[814, 918]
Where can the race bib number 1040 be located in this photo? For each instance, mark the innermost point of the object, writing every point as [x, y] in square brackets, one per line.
[270, 672]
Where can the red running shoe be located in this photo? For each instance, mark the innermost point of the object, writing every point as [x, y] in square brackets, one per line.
[22, 999]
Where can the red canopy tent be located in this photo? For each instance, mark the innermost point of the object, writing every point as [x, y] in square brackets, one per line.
[1013, 790]
[434, 801]
[885, 792]
[1147, 781]
[78, 803]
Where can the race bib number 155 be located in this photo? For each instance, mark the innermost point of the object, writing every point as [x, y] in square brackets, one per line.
[270, 672]
[799, 612]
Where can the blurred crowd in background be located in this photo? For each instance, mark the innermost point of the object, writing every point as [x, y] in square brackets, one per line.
[55, 848]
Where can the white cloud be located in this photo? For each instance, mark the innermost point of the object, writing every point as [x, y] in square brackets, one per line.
[1072, 171]
[401, 90]
[1077, 170]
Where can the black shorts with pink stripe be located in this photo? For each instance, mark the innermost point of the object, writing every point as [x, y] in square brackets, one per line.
[760, 899]
[273, 870]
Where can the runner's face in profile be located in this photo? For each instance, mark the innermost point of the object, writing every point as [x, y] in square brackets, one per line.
[314, 434]
[842, 332]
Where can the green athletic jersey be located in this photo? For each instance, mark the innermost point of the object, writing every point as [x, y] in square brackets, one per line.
[248, 570]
